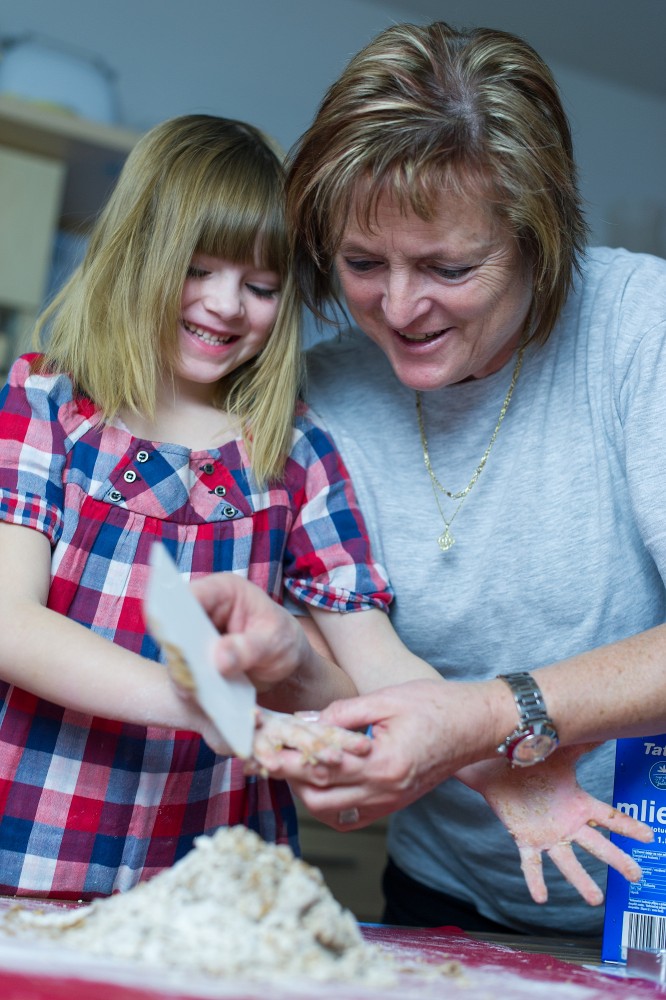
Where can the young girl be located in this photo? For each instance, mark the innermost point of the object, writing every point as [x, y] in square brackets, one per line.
[162, 408]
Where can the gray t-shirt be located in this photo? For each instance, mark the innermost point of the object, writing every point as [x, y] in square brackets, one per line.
[560, 545]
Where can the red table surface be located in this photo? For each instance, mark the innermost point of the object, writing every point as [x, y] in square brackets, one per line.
[494, 961]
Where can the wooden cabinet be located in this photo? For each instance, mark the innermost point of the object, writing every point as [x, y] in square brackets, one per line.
[56, 171]
[30, 192]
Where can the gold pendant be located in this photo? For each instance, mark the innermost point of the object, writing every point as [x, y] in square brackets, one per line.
[446, 540]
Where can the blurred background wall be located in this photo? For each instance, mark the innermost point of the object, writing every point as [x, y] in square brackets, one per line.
[270, 61]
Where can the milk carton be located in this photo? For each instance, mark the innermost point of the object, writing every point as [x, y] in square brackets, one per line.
[636, 912]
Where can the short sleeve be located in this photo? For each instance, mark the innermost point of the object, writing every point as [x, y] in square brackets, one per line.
[37, 416]
[641, 408]
[328, 562]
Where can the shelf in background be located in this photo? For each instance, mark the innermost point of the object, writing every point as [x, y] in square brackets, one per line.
[93, 153]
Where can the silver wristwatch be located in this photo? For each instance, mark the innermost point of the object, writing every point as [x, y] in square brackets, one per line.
[535, 737]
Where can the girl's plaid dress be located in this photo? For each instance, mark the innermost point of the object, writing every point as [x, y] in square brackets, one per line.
[90, 805]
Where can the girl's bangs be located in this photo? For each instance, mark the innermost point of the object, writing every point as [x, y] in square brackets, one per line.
[245, 226]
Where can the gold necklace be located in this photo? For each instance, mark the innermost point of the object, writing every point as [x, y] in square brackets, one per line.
[446, 539]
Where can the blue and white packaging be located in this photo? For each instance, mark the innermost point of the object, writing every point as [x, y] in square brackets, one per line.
[636, 911]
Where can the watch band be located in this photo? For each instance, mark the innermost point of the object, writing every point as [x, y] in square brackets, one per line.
[535, 737]
[528, 697]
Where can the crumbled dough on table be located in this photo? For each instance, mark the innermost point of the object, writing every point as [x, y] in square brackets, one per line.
[233, 906]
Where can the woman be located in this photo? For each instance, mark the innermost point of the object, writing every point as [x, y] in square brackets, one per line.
[501, 415]
[501, 423]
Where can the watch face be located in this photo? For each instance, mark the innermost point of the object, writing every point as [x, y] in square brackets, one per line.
[533, 748]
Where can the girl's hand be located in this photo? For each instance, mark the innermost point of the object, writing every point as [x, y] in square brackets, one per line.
[545, 809]
[258, 637]
[185, 687]
[274, 732]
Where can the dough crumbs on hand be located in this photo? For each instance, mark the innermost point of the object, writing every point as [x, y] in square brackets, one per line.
[178, 666]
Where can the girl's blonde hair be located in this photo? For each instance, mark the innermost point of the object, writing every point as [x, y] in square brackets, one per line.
[424, 109]
[193, 184]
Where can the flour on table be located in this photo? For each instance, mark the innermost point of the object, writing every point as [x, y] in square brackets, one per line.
[233, 906]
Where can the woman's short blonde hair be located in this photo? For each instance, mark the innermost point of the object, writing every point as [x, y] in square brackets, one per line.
[423, 109]
[193, 184]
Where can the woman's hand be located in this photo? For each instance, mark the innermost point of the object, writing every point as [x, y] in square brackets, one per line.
[545, 810]
[421, 736]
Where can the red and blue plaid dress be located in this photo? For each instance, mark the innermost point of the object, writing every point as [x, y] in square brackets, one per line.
[90, 805]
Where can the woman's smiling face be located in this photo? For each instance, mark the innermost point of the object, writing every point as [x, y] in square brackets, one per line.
[444, 299]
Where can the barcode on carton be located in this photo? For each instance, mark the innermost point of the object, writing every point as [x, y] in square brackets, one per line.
[644, 931]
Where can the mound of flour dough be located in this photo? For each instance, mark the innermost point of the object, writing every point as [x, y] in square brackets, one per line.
[233, 906]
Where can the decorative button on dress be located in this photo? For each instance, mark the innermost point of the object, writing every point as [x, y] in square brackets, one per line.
[91, 805]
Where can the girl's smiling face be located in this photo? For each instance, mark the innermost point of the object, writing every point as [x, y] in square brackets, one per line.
[445, 299]
[227, 313]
